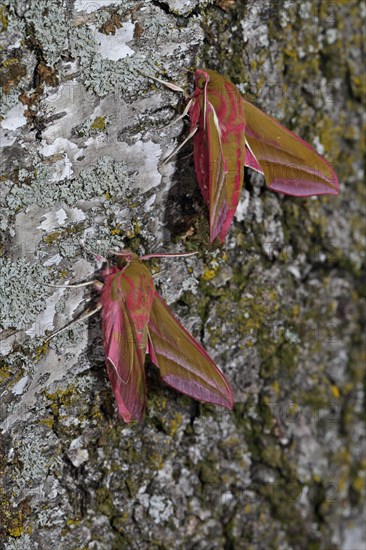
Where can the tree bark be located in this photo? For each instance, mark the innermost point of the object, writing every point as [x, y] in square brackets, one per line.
[279, 306]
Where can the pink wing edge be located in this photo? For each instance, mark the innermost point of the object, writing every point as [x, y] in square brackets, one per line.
[278, 185]
[180, 385]
[131, 408]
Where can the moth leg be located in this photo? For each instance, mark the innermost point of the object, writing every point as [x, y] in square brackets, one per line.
[190, 136]
[184, 114]
[82, 318]
[78, 285]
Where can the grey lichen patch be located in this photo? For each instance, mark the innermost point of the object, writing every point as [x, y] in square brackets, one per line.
[47, 19]
[22, 285]
[19, 543]
[8, 101]
[118, 75]
[36, 461]
[106, 71]
[190, 475]
[106, 178]
[30, 461]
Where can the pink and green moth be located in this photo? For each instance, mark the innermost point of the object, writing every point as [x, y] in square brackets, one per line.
[136, 321]
[230, 133]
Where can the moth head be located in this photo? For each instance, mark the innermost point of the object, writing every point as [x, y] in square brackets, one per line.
[125, 257]
[201, 78]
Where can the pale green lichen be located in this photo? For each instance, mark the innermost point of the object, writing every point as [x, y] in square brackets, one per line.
[106, 176]
[8, 101]
[129, 451]
[105, 76]
[48, 21]
[20, 543]
[35, 464]
[22, 284]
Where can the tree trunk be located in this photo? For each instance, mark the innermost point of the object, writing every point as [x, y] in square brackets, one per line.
[278, 306]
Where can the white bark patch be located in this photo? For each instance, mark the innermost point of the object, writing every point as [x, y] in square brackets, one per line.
[89, 6]
[60, 217]
[72, 103]
[54, 260]
[62, 168]
[145, 155]
[8, 343]
[44, 320]
[15, 118]
[53, 219]
[114, 46]
[59, 145]
[319, 147]
[16, 45]
[6, 139]
[18, 388]
[149, 202]
[27, 236]
[243, 206]
[76, 453]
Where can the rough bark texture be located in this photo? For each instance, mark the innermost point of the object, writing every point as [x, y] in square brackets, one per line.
[279, 306]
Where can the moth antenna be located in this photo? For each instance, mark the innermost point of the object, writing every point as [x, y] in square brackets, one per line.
[180, 146]
[168, 255]
[124, 253]
[82, 318]
[173, 87]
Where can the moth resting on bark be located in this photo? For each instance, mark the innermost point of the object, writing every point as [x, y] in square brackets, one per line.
[137, 321]
[230, 133]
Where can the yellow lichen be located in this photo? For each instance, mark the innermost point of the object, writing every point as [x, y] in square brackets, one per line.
[276, 388]
[359, 484]
[136, 227]
[16, 531]
[11, 61]
[335, 391]
[41, 350]
[99, 123]
[3, 19]
[208, 275]
[52, 237]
